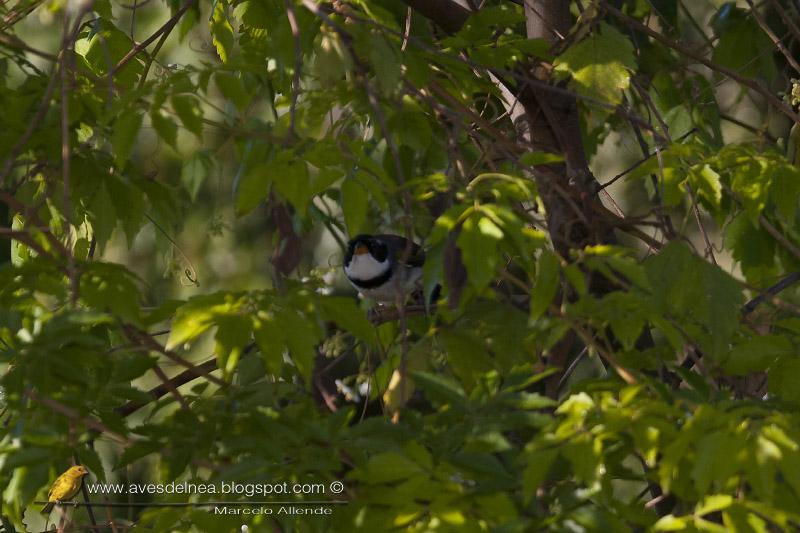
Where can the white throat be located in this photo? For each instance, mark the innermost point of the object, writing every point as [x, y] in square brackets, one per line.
[364, 267]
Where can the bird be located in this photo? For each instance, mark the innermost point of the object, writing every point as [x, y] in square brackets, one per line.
[65, 486]
[383, 267]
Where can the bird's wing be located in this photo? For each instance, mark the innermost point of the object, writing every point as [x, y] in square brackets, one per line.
[65, 487]
[57, 488]
[416, 255]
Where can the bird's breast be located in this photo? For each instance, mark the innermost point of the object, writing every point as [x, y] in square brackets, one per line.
[364, 267]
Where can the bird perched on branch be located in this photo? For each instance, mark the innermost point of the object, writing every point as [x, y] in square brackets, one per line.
[65, 487]
[384, 267]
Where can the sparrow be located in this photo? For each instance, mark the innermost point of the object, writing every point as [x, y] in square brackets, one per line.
[382, 266]
[65, 486]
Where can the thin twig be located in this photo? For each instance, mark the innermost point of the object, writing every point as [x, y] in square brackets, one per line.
[298, 62]
[407, 30]
[144, 339]
[774, 38]
[785, 283]
[12, 41]
[171, 387]
[571, 368]
[73, 414]
[165, 28]
[85, 494]
[786, 243]
[709, 251]
[19, 12]
[184, 377]
[787, 19]
[756, 85]
[65, 159]
[640, 162]
[606, 355]
[761, 132]
[35, 122]
[150, 58]
[25, 238]
[392, 314]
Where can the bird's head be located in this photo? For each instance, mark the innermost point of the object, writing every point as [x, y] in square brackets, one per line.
[78, 470]
[367, 244]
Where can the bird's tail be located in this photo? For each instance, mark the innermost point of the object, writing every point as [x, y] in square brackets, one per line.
[47, 508]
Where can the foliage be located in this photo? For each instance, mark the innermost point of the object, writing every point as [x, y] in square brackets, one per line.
[131, 139]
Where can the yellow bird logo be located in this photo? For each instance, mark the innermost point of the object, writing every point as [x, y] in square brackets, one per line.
[65, 487]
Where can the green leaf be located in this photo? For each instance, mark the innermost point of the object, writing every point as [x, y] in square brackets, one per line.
[714, 503]
[411, 126]
[785, 191]
[537, 465]
[600, 65]
[102, 216]
[478, 243]
[106, 286]
[386, 62]
[233, 334]
[198, 314]
[106, 46]
[221, 31]
[271, 340]
[627, 313]
[467, 356]
[165, 127]
[672, 523]
[697, 291]
[388, 467]
[534, 159]
[331, 59]
[194, 173]
[784, 379]
[191, 114]
[301, 342]
[354, 205]
[232, 88]
[440, 389]
[707, 184]
[547, 281]
[743, 46]
[253, 188]
[715, 462]
[757, 354]
[753, 248]
[128, 367]
[349, 316]
[723, 299]
[128, 203]
[126, 131]
[752, 178]
[291, 179]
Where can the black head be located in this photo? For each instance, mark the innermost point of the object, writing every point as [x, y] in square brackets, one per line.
[362, 244]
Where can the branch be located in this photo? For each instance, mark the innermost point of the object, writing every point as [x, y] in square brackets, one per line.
[166, 27]
[755, 85]
[161, 390]
[73, 414]
[12, 41]
[18, 13]
[391, 314]
[774, 38]
[450, 15]
[171, 387]
[785, 283]
[298, 63]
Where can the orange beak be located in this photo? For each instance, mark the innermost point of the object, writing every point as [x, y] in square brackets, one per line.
[361, 249]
